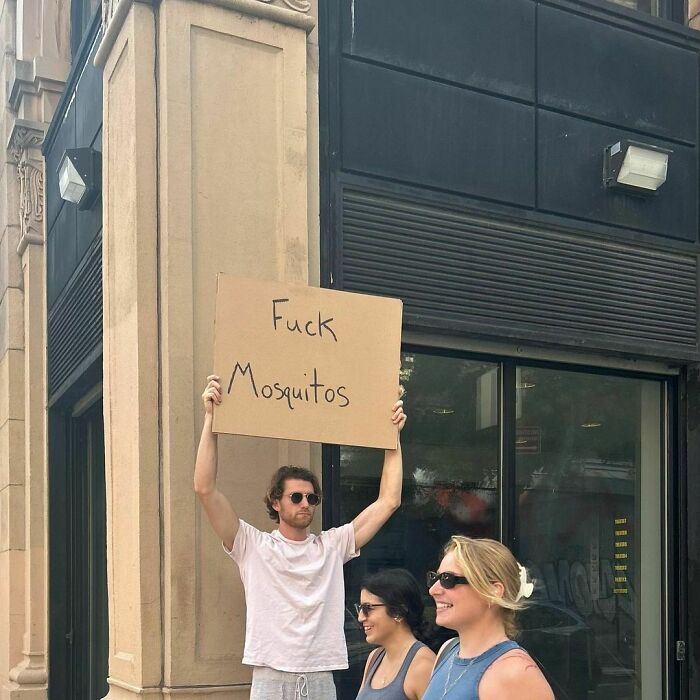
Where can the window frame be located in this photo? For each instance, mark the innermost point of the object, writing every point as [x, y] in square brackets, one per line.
[675, 11]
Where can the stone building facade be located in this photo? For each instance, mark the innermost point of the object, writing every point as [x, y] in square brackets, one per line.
[163, 243]
[178, 137]
[35, 64]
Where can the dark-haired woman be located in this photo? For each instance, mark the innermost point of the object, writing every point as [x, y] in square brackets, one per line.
[391, 615]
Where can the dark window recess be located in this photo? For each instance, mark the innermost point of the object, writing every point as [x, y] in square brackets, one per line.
[459, 273]
[82, 13]
[651, 7]
[674, 10]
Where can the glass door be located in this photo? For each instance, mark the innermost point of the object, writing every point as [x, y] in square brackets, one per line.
[78, 608]
[589, 456]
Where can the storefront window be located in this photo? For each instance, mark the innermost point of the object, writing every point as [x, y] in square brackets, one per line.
[589, 470]
[451, 469]
[585, 490]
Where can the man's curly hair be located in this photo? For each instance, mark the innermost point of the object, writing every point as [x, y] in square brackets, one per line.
[276, 489]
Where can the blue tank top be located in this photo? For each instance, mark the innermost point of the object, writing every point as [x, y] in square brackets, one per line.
[458, 679]
[393, 690]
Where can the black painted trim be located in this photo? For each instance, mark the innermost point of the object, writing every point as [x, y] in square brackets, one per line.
[330, 461]
[507, 413]
[58, 557]
[689, 611]
[676, 535]
[329, 110]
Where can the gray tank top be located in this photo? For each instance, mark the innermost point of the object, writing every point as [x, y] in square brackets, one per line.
[394, 690]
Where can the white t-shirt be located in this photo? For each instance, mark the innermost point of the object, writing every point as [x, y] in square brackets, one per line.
[295, 598]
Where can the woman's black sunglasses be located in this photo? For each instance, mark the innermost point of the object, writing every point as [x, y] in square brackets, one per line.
[365, 608]
[312, 499]
[447, 579]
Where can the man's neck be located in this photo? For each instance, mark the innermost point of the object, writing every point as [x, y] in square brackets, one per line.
[292, 533]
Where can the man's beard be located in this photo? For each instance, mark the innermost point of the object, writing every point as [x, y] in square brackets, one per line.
[300, 519]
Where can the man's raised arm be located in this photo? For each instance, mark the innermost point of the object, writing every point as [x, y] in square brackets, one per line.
[371, 519]
[219, 511]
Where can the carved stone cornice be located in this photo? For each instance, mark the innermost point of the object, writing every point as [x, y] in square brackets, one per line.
[298, 5]
[291, 12]
[28, 79]
[109, 8]
[24, 148]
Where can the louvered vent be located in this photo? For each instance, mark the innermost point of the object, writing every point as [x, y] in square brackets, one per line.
[75, 321]
[458, 272]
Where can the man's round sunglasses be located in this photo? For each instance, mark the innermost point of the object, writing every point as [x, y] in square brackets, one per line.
[447, 579]
[296, 497]
[365, 608]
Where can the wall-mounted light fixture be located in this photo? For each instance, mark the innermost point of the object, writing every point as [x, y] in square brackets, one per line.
[637, 168]
[80, 176]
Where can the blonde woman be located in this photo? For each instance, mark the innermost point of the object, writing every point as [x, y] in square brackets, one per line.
[477, 591]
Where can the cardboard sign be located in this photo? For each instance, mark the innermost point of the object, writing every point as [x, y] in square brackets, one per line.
[303, 363]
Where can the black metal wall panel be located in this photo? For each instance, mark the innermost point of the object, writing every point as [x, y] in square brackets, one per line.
[450, 97]
[485, 44]
[570, 180]
[74, 241]
[590, 68]
[61, 254]
[75, 321]
[88, 102]
[64, 138]
[77, 124]
[416, 130]
[455, 271]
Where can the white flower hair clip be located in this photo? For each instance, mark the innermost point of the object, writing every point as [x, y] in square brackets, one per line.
[526, 588]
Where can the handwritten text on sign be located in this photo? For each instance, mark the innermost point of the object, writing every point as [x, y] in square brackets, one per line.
[303, 363]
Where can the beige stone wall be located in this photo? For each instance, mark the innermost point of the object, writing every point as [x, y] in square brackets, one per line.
[34, 45]
[212, 166]
[694, 14]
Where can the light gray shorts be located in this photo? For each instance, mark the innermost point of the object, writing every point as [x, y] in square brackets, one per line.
[269, 684]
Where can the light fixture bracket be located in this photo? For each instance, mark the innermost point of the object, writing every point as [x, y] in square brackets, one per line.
[635, 168]
[80, 176]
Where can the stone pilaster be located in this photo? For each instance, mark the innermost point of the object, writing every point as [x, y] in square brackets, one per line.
[28, 678]
[231, 164]
[34, 43]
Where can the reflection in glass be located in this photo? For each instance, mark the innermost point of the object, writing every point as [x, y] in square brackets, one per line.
[651, 7]
[589, 483]
[451, 467]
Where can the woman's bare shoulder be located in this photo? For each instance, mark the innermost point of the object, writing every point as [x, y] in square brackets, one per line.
[515, 675]
[418, 673]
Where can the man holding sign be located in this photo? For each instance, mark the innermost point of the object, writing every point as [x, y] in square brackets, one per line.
[293, 580]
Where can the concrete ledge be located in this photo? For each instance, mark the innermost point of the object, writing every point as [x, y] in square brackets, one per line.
[120, 690]
[254, 8]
